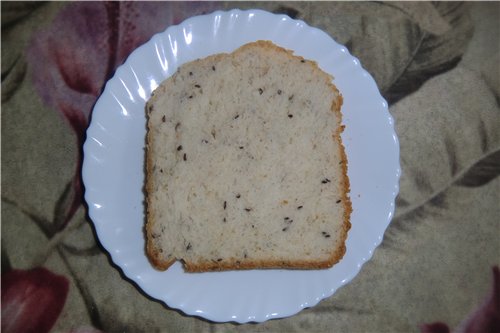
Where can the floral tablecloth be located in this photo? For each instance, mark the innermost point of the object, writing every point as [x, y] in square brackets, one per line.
[437, 64]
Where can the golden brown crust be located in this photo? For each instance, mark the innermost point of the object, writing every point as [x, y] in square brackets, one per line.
[157, 258]
[346, 201]
[152, 251]
[234, 264]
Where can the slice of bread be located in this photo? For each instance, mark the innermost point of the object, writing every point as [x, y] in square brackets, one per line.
[245, 164]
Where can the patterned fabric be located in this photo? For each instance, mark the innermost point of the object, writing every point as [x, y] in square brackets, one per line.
[437, 64]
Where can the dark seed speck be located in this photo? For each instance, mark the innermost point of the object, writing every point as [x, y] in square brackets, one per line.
[179, 148]
[290, 116]
[184, 157]
[338, 201]
[261, 91]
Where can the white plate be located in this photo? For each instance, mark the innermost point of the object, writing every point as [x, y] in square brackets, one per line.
[113, 168]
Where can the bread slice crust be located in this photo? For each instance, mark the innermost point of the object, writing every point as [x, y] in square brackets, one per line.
[156, 253]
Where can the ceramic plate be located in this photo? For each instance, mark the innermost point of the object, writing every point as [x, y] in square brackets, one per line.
[113, 168]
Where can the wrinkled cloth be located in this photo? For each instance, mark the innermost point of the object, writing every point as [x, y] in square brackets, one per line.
[437, 65]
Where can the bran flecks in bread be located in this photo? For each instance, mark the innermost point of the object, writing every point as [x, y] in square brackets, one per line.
[245, 164]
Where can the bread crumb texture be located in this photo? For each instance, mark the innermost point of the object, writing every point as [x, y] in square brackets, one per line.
[245, 164]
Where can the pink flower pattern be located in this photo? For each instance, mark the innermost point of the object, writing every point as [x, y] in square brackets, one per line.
[71, 60]
[69, 64]
[32, 300]
[485, 319]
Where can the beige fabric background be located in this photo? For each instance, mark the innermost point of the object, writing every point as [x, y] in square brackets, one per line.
[436, 64]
